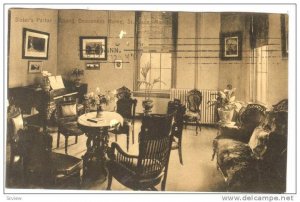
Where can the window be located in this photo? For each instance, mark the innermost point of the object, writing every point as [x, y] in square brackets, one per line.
[261, 73]
[156, 43]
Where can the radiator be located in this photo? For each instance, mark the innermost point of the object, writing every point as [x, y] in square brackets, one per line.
[208, 115]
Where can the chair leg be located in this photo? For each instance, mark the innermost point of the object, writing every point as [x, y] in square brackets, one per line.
[132, 132]
[180, 151]
[58, 138]
[66, 144]
[109, 182]
[127, 138]
[76, 139]
[116, 137]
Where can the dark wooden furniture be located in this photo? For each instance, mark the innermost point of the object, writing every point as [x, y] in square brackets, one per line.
[45, 102]
[96, 130]
[179, 110]
[47, 169]
[193, 113]
[40, 166]
[150, 167]
[67, 115]
[126, 108]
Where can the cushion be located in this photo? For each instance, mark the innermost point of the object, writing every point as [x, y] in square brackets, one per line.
[70, 129]
[69, 110]
[258, 141]
[17, 123]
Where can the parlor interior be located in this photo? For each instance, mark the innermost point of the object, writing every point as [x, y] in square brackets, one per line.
[175, 139]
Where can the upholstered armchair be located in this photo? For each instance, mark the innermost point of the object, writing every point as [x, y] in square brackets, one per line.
[252, 157]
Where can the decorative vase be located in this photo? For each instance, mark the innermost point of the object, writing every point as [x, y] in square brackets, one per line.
[225, 115]
[99, 111]
[148, 105]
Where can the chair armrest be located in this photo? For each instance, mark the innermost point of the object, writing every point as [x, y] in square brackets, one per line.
[116, 148]
[118, 156]
[238, 134]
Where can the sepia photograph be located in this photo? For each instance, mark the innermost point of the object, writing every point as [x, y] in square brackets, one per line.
[35, 66]
[186, 101]
[35, 44]
[93, 48]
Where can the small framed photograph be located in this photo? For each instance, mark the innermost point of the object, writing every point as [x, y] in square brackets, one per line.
[231, 46]
[93, 48]
[35, 66]
[93, 66]
[118, 64]
[35, 44]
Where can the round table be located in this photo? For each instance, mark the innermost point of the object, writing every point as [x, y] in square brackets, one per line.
[96, 130]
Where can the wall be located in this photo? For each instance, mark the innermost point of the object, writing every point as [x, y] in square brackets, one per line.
[278, 66]
[75, 23]
[44, 20]
[198, 50]
[236, 72]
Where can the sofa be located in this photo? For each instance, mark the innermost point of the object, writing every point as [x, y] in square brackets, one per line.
[252, 157]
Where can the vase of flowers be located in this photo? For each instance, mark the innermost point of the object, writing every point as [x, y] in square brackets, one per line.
[225, 104]
[45, 83]
[148, 87]
[77, 74]
[98, 101]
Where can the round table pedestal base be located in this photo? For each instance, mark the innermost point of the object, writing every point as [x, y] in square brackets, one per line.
[94, 159]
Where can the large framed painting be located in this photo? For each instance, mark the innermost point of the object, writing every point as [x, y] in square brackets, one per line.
[93, 48]
[231, 46]
[35, 44]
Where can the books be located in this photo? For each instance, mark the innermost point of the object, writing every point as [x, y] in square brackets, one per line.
[95, 120]
[56, 82]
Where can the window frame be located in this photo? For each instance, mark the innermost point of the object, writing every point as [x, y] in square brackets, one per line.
[155, 93]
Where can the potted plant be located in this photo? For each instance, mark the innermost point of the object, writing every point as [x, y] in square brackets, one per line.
[148, 87]
[225, 104]
[77, 74]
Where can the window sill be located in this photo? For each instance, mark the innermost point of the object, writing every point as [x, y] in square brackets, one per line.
[160, 94]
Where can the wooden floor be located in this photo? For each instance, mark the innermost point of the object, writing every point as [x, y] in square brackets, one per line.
[198, 174]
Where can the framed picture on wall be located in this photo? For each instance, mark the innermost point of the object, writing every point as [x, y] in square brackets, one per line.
[35, 66]
[93, 48]
[35, 44]
[93, 66]
[231, 46]
[118, 64]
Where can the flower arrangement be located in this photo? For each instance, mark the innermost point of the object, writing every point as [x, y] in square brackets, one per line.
[77, 73]
[148, 85]
[99, 99]
[225, 99]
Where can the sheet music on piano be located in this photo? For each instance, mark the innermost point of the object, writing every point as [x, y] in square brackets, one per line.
[56, 82]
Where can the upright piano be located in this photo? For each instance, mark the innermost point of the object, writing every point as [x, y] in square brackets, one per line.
[45, 102]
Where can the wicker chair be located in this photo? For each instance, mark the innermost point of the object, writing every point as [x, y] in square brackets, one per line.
[150, 167]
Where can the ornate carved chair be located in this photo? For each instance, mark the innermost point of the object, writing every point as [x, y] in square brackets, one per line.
[40, 166]
[67, 115]
[126, 108]
[193, 113]
[179, 110]
[150, 167]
